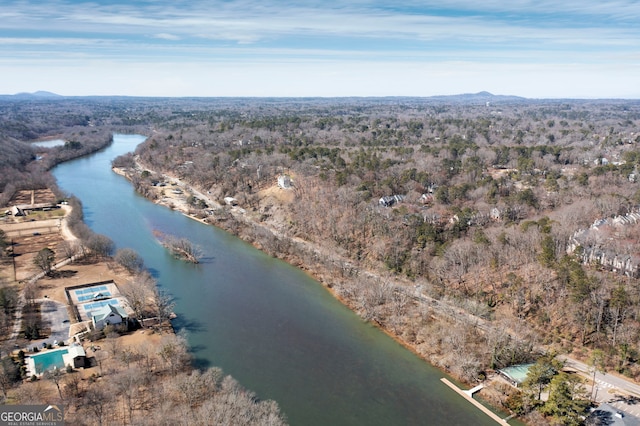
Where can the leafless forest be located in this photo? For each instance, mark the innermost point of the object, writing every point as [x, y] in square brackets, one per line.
[149, 383]
[452, 223]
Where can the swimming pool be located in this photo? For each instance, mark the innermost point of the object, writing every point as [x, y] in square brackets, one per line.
[48, 360]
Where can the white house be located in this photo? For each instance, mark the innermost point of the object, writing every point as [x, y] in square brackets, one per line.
[231, 201]
[284, 182]
[108, 315]
[390, 200]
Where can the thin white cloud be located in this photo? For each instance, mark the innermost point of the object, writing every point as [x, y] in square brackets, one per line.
[250, 22]
[626, 10]
[97, 49]
[296, 39]
[53, 41]
[167, 36]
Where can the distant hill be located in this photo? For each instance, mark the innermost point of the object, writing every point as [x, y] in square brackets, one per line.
[40, 94]
[465, 98]
[480, 97]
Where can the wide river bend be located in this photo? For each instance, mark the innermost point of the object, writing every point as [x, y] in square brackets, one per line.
[268, 324]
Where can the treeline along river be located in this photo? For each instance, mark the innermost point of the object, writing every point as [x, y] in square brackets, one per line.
[268, 324]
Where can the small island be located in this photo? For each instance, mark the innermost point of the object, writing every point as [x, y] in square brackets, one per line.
[181, 248]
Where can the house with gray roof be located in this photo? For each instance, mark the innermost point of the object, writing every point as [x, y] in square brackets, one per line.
[108, 315]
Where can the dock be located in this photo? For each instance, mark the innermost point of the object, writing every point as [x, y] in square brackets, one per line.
[468, 395]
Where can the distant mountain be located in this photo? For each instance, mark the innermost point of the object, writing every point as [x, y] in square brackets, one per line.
[40, 94]
[45, 94]
[465, 98]
[480, 97]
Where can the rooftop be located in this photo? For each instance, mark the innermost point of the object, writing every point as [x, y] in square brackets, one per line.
[107, 310]
[516, 373]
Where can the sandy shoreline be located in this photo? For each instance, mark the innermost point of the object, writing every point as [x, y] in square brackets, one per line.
[175, 203]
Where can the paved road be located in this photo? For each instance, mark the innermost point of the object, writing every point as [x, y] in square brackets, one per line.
[617, 391]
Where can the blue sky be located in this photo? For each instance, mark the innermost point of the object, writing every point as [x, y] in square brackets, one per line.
[537, 49]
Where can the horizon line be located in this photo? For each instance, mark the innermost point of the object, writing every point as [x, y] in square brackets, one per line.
[43, 94]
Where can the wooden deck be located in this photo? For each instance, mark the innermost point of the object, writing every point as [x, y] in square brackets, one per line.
[466, 395]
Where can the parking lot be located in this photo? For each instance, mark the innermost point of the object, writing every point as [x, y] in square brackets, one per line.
[55, 320]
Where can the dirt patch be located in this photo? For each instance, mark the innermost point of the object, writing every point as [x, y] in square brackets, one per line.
[37, 196]
[496, 174]
[25, 249]
[172, 199]
[29, 235]
[284, 196]
[140, 337]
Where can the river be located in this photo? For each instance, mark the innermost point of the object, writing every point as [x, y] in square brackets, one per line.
[268, 324]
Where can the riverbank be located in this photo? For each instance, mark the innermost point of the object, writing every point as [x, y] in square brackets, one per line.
[332, 270]
[123, 375]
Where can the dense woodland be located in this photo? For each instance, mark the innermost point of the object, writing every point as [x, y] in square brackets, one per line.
[469, 265]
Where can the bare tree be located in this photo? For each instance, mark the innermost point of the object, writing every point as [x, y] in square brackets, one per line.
[72, 385]
[96, 401]
[147, 357]
[113, 344]
[182, 248]
[127, 384]
[44, 260]
[174, 352]
[163, 303]
[140, 291]
[9, 374]
[5, 321]
[55, 376]
[196, 387]
[69, 248]
[30, 292]
[100, 245]
[32, 393]
[129, 259]
[101, 356]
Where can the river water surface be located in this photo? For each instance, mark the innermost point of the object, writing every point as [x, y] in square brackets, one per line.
[269, 325]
